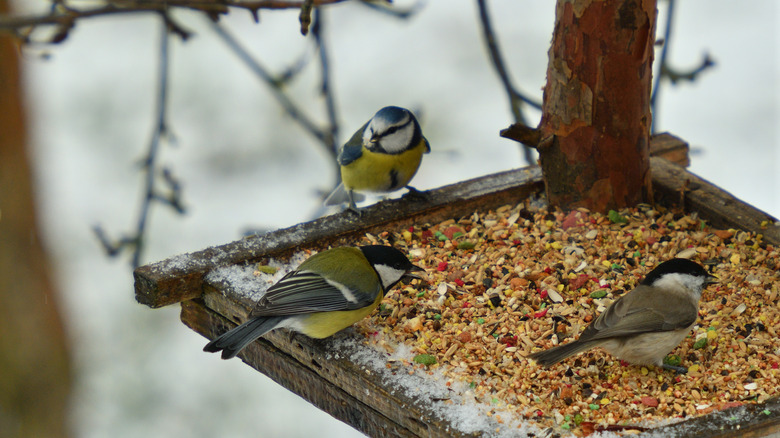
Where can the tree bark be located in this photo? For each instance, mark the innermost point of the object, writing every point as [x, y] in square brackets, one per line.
[595, 126]
[35, 373]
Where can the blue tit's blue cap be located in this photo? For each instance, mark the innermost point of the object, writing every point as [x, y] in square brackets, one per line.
[392, 114]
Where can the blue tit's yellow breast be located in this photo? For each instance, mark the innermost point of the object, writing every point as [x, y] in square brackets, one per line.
[323, 324]
[380, 172]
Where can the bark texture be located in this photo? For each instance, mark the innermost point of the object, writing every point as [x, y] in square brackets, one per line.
[595, 127]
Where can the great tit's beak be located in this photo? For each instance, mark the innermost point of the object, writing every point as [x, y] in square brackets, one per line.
[411, 274]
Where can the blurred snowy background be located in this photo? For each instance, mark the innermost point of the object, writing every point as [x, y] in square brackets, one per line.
[245, 164]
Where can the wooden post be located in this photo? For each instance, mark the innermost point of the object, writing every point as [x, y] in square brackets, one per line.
[595, 126]
[35, 371]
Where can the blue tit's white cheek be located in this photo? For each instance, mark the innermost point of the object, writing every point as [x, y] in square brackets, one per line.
[399, 140]
[368, 133]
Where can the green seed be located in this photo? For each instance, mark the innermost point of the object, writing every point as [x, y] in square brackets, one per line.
[425, 359]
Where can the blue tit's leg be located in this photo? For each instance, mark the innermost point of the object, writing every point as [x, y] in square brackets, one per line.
[416, 194]
[676, 369]
[352, 206]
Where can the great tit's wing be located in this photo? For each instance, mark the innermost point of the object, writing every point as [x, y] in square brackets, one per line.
[352, 149]
[302, 292]
[640, 311]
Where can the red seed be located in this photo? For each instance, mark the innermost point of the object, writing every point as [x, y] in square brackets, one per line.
[442, 266]
[650, 401]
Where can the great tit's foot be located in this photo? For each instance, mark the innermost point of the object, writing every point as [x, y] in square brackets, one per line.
[676, 369]
[417, 194]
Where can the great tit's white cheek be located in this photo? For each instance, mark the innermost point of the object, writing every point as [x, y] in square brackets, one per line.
[388, 274]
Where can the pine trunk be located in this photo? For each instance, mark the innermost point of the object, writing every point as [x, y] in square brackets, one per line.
[595, 127]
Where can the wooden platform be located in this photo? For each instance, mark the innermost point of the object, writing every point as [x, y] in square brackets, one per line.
[353, 393]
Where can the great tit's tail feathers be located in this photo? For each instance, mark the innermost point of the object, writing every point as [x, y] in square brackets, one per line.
[233, 341]
[554, 355]
[339, 196]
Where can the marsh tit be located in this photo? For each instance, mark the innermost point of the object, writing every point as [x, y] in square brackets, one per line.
[644, 325]
[328, 292]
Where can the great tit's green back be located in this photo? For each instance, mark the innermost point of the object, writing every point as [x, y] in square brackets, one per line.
[336, 279]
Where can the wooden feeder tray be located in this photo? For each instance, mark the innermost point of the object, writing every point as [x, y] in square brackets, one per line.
[354, 394]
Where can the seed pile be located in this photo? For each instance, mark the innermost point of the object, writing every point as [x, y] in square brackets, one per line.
[502, 284]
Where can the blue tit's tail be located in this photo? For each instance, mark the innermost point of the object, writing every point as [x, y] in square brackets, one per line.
[556, 354]
[233, 341]
[340, 195]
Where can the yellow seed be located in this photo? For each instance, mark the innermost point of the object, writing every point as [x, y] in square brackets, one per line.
[606, 263]
[407, 235]
[734, 259]
[604, 401]
[644, 371]
[711, 335]
[556, 245]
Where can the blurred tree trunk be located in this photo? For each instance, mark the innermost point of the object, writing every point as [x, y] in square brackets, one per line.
[35, 374]
[595, 128]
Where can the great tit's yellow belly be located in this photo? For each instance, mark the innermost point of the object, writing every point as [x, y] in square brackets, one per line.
[378, 172]
[323, 324]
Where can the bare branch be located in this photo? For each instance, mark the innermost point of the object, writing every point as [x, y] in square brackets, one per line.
[666, 71]
[516, 98]
[273, 84]
[172, 196]
[387, 7]
[326, 88]
[64, 17]
[305, 16]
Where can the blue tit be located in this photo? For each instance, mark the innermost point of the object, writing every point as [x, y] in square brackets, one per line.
[328, 292]
[644, 325]
[381, 157]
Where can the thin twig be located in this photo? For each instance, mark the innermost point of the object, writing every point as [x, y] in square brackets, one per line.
[289, 106]
[666, 71]
[64, 17]
[326, 88]
[516, 98]
[172, 196]
[388, 8]
[305, 16]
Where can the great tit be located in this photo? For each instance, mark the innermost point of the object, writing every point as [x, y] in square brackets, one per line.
[381, 157]
[644, 325]
[328, 292]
